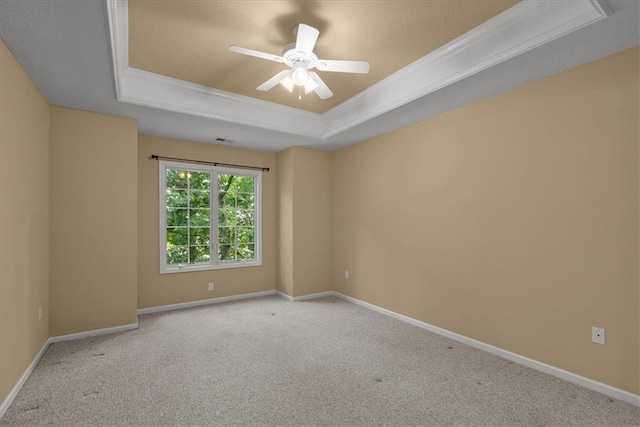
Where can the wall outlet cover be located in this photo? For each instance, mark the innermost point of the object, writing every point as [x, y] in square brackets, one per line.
[597, 335]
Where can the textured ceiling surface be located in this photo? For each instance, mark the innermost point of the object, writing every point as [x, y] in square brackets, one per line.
[189, 40]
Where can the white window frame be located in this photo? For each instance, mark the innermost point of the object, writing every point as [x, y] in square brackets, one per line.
[214, 263]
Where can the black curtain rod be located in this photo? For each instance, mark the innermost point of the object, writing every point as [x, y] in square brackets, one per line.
[202, 162]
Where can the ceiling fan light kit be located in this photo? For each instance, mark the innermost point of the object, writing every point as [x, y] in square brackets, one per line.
[299, 75]
[301, 57]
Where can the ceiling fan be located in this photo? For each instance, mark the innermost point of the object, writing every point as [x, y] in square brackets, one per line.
[301, 58]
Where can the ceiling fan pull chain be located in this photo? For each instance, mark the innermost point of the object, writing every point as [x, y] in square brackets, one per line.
[299, 92]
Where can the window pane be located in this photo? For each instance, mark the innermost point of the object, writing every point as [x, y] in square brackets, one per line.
[176, 198]
[177, 254]
[199, 254]
[226, 182]
[226, 253]
[199, 217]
[226, 235]
[244, 201]
[245, 184]
[199, 199]
[176, 217]
[227, 200]
[198, 236]
[200, 181]
[244, 218]
[244, 234]
[245, 252]
[176, 179]
[226, 217]
[177, 236]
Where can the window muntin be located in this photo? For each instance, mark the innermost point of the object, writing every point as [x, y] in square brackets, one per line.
[209, 217]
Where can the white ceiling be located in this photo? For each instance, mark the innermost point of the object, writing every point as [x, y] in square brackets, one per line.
[64, 46]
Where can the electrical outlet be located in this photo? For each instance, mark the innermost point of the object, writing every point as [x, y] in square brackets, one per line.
[346, 274]
[597, 335]
[40, 313]
[210, 286]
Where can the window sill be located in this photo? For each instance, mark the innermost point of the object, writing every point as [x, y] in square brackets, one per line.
[189, 269]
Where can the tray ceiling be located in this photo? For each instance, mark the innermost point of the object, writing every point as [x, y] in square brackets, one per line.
[77, 54]
[189, 40]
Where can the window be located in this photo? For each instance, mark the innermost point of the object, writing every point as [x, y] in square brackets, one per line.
[209, 217]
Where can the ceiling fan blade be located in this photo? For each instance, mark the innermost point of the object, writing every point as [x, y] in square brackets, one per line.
[322, 90]
[256, 53]
[273, 81]
[360, 67]
[306, 38]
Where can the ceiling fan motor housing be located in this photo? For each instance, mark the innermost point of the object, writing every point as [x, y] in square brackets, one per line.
[293, 57]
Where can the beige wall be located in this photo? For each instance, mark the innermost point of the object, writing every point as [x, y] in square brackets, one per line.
[155, 289]
[24, 221]
[304, 221]
[93, 201]
[311, 221]
[513, 220]
[284, 282]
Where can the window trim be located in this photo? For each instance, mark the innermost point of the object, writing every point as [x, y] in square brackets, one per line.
[163, 165]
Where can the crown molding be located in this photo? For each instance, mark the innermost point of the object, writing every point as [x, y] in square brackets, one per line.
[148, 89]
[525, 26]
[166, 93]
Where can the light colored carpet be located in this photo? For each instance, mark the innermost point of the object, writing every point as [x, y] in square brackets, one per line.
[270, 361]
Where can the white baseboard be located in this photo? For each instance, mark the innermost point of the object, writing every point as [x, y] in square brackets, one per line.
[231, 298]
[190, 304]
[605, 389]
[79, 335]
[313, 296]
[16, 388]
[305, 297]
[14, 391]
[599, 387]
[285, 296]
